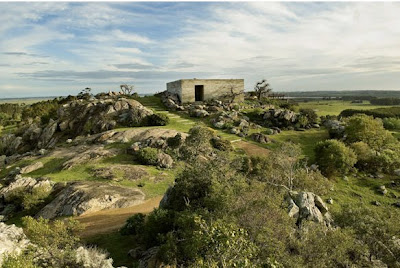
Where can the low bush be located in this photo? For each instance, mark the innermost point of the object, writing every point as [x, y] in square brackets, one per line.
[391, 123]
[147, 156]
[365, 128]
[157, 119]
[134, 225]
[176, 141]
[28, 199]
[221, 144]
[310, 114]
[334, 158]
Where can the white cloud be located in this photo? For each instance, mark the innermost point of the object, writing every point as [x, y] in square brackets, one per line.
[294, 45]
[331, 40]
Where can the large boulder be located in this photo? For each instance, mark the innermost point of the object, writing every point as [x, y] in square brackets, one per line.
[79, 198]
[24, 183]
[306, 206]
[46, 139]
[198, 113]
[138, 134]
[95, 152]
[32, 167]
[259, 137]
[164, 160]
[12, 240]
[10, 144]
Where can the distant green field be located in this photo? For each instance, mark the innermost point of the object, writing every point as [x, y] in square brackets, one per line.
[23, 100]
[334, 107]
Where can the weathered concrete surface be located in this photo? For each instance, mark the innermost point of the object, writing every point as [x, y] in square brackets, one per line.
[213, 88]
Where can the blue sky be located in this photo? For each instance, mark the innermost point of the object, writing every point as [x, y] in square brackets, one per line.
[54, 48]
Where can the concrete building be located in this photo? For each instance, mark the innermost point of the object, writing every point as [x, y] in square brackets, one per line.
[191, 90]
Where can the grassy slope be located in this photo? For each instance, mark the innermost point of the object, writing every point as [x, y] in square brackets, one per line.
[353, 191]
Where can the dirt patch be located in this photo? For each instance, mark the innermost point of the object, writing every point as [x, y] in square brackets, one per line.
[251, 149]
[107, 221]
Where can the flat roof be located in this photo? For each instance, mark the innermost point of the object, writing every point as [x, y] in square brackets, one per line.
[205, 79]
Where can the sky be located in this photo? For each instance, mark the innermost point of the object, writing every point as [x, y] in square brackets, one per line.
[56, 48]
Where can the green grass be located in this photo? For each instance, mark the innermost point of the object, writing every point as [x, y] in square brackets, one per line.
[155, 184]
[26, 101]
[7, 129]
[362, 191]
[117, 245]
[334, 107]
[306, 139]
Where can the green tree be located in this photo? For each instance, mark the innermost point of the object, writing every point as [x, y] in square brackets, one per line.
[56, 241]
[310, 114]
[365, 128]
[334, 158]
[198, 143]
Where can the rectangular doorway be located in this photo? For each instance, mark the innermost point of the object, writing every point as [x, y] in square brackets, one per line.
[199, 93]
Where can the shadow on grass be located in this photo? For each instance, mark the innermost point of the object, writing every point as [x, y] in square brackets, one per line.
[52, 166]
[117, 245]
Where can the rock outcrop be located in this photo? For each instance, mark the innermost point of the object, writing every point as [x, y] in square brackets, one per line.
[12, 240]
[79, 198]
[76, 118]
[32, 167]
[306, 206]
[25, 184]
[95, 152]
[259, 137]
[136, 135]
[280, 117]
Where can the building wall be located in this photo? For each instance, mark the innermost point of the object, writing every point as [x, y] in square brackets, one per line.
[175, 87]
[213, 88]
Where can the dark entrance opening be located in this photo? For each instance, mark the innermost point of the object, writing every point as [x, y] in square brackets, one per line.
[199, 93]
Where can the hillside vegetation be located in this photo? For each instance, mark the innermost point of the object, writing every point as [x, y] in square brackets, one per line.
[122, 180]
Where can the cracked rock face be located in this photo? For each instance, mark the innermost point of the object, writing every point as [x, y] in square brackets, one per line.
[83, 197]
[12, 240]
[26, 183]
[307, 206]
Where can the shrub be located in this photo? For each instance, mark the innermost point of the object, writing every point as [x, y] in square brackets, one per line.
[55, 242]
[157, 119]
[36, 197]
[221, 144]
[198, 142]
[28, 199]
[310, 114]
[219, 244]
[134, 225]
[367, 129]
[334, 158]
[23, 260]
[45, 110]
[303, 121]
[147, 156]
[391, 123]
[376, 229]
[176, 141]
